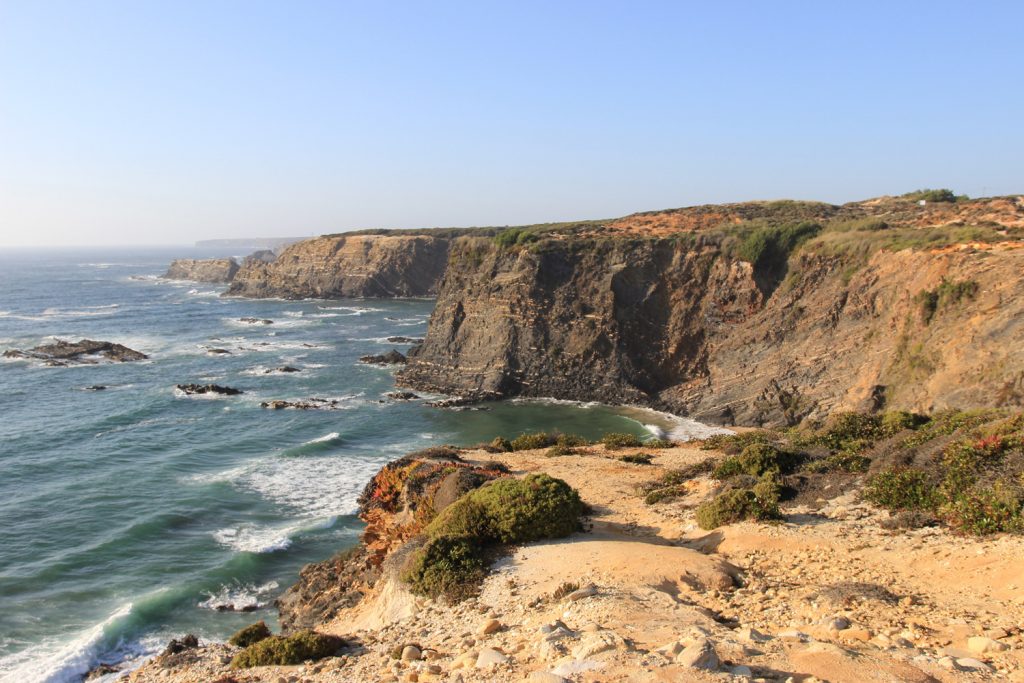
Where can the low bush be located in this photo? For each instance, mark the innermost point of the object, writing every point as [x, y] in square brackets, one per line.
[615, 440]
[941, 195]
[658, 444]
[461, 538]
[757, 503]
[500, 445]
[901, 489]
[560, 450]
[287, 650]
[946, 294]
[909, 519]
[637, 458]
[564, 590]
[986, 510]
[732, 444]
[536, 440]
[756, 460]
[250, 634]
[571, 440]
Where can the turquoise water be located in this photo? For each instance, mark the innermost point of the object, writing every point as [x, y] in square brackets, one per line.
[127, 515]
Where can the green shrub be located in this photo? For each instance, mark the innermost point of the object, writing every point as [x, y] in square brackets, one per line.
[664, 493]
[756, 460]
[501, 445]
[658, 444]
[768, 247]
[901, 489]
[286, 650]
[840, 462]
[560, 450]
[732, 444]
[942, 195]
[637, 458]
[759, 503]
[451, 566]
[571, 440]
[615, 440]
[986, 510]
[947, 293]
[253, 633]
[529, 442]
[459, 540]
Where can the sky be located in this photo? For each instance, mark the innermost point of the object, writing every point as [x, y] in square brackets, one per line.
[168, 122]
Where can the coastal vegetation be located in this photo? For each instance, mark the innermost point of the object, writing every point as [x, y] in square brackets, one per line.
[286, 650]
[961, 468]
[461, 541]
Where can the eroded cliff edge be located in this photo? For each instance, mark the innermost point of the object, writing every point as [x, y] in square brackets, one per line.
[338, 266]
[203, 270]
[714, 312]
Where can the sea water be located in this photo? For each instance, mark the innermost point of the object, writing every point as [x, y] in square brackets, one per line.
[134, 514]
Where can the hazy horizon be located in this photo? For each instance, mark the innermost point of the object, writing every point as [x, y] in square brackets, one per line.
[136, 124]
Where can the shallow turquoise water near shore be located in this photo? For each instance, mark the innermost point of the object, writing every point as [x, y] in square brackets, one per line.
[128, 515]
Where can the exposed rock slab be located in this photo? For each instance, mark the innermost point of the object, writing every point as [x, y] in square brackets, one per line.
[203, 270]
[84, 351]
[340, 266]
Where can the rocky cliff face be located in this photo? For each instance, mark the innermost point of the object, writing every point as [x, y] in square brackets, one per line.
[857, 318]
[337, 266]
[203, 270]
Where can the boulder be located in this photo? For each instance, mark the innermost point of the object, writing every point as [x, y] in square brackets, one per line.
[392, 357]
[204, 389]
[84, 351]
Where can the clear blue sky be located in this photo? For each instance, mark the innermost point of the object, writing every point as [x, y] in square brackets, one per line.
[146, 122]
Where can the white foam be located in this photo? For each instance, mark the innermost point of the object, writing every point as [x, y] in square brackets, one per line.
[239, 596]
[352, 310]
[252, 539]
[323, 439]
[313, 486]
[64, 661]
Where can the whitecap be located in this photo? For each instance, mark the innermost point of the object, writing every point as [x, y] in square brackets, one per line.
[239, 596]
[252, 539]
[323, 439]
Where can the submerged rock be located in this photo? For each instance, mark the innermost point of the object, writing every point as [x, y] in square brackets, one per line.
[256, 321]
[84, 351]
[405, 340]
[200, 389]
[282, 369]
[402, 396]
[392, 357]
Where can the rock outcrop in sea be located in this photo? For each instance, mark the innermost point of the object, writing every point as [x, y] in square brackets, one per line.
[82, 352]
[347, 265]
[203, 270]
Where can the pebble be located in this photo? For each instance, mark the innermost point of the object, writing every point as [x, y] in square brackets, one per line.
[981, 644]
[545, 677]
[488, 627]
[584, 592]
[490, 658]
[411, 653]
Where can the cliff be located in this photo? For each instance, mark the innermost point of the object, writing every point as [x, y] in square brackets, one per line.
[203, 270]
[758, 313]
[337, 266]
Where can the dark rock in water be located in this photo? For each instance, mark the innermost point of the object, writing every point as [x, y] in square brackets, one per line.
[188, 642]
[471, 399]
[307, 404]
[406, 340]
[96, 387]
[231, 607]
[218, 352]
[84, 351]
[392, 357]
[199, 389]
[256, 321]
[101, 670]
[402, 395]
[284, 368]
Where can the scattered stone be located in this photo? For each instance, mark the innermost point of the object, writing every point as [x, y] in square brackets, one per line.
[308, 404]
[256, 321]
[411, 653]
[488, 627]
[490, 658]
[585, 592]
[971, 664]
[545, 677]
[741, 670]
[837, 624]
[981, 644]
[595, 643]
[699, 655]
[201, 389]
[752, 635]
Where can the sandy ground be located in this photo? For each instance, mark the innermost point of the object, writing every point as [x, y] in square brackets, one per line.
[826, 595]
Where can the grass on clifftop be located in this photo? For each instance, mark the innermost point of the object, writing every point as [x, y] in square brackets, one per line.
[464, 537]
[961, 468]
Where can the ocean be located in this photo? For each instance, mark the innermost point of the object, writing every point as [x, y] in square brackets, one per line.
[129, 515]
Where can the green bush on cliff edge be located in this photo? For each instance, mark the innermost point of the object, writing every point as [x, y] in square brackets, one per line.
[461, 540]
[286, 650]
